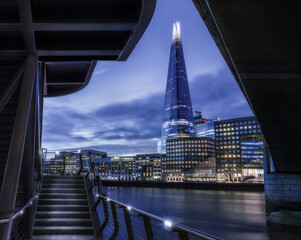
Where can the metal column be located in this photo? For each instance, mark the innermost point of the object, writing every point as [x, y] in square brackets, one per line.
[16, 149]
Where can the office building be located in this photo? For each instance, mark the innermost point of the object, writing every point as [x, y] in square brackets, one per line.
[184, 154]
[70, 162]
[252, 157]
[148, 167]
[205, 171]
[117, 168]
[204, 127]
[230, 136]
[177, 116]
[54, 163]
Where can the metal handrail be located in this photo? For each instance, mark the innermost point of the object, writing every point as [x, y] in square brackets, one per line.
[90, 174]
[81, 164]
[21, 211]
[170, 226]
[29, 203]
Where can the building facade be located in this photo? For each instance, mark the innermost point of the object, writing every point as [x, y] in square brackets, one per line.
[178, 115]
[69, 162]
[185, 154]
[204, 127]
[117, 168]
[232, 156]
[252, 156]
[148, 167]
[205, 171]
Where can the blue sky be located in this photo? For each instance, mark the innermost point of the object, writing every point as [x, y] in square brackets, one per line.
[121, 109]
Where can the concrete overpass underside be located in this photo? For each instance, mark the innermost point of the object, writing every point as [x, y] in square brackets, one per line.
[261, 43]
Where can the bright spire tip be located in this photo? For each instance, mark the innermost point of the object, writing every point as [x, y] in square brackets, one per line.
[176, 34]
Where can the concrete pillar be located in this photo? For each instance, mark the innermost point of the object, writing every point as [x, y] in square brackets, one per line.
[282, 196]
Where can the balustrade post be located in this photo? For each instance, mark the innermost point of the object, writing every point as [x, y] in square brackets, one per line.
[115, 220]
[148, 227]
[106, 220]
[128, 223]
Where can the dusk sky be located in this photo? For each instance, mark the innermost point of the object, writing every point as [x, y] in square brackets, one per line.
[121, 109]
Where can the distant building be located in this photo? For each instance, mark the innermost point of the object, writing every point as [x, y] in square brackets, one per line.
[54, 163]
[232, 153]
[203, 172]
[252, 157]
[185, 154]
[148, 167]
[177, 117]
[203, 127]
[117, 168]
[159, 147]
[69, 162]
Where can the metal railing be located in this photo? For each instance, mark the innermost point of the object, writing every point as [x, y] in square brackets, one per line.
[31, 201]
[116, 220]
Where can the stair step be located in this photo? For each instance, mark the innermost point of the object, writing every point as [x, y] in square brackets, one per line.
[63, 185]
[60, 201]
[47, 181]
[63, 211]
[62, 177]
[63, 222]
[42, 230]
[64, 237]
[63, 195]
[63, 208]
[63, 190]
[62, 214]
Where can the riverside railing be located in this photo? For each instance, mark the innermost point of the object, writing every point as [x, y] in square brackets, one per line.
[116, 220]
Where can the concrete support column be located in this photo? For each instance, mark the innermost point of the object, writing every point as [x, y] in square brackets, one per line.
[282, 196]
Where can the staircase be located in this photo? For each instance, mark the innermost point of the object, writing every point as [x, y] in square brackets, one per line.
[63, 211]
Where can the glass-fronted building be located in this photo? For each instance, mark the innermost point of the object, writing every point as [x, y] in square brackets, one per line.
[205, 129]
[252, 156]
[230, 136]
[177, 116]
[252, 151]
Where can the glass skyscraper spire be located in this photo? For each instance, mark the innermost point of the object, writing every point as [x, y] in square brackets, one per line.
[178, 116]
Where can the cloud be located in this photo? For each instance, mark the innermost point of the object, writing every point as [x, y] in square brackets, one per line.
[218, 96]
[135, 126]
[99, 71]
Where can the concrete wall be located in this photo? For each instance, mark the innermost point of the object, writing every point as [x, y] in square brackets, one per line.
[283, 197]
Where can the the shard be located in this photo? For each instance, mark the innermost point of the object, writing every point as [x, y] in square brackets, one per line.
[178, 114]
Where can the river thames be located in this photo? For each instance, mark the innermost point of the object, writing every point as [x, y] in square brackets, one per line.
[226, 214]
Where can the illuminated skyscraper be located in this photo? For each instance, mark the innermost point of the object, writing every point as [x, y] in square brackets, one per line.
[178, 116]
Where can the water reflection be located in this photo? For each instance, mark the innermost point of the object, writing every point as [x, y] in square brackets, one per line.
[226, 214]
